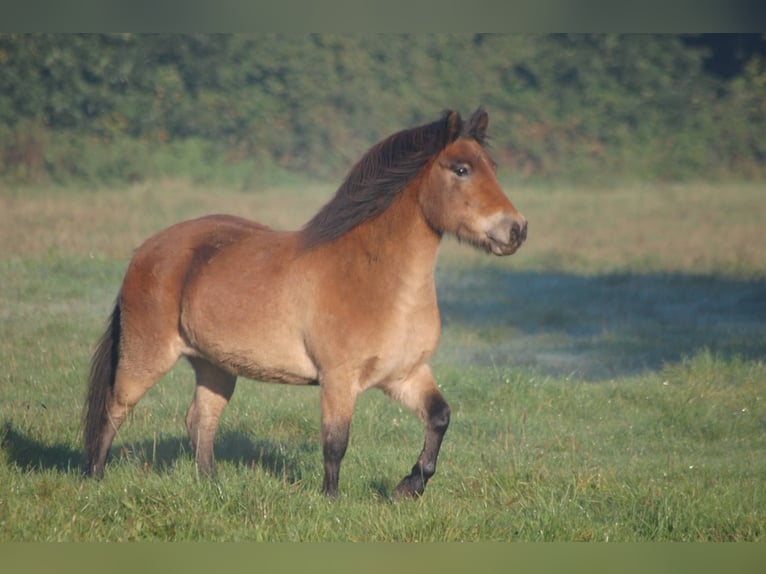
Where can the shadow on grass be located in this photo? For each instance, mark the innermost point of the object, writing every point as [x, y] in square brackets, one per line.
[597, 327]
[32, 455]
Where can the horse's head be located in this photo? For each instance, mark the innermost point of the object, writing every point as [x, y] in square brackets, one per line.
[461, 195]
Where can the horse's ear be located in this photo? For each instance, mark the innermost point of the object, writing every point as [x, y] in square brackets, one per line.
[454, 125]
[476, 126]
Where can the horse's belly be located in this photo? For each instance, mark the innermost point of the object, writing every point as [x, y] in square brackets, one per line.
[276, 374]
[251, 342]
[269, 360]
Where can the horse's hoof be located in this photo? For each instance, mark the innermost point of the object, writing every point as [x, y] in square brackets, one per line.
[404, 491]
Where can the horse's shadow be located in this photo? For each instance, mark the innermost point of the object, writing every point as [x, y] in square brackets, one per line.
[32, 455]
[280, 461]
[160, 455]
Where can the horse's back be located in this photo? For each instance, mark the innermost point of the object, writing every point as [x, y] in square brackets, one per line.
[164, 260]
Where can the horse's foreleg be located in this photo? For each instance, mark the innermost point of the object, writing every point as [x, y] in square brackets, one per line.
[420, 394]
[211, 394]
[337, 406]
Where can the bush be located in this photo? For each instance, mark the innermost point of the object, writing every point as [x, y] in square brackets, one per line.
[208, 106]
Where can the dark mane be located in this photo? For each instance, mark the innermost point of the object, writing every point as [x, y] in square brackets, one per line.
[384, 171]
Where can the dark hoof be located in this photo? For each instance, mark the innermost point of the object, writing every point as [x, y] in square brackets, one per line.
[406, 490]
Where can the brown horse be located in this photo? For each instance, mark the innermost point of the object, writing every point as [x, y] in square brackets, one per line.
[348, 302]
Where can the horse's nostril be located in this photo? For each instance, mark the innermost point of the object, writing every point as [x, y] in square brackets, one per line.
[515, 232]
[518, 231]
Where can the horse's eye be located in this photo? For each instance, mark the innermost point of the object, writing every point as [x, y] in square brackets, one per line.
[460, 170]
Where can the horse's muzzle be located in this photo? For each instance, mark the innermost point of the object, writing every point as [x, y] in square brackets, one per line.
[507, 234]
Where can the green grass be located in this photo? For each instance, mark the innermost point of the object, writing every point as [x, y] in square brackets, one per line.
[672, 456]
[592, 400]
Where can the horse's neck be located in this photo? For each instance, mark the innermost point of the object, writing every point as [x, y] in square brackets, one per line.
[401, 239]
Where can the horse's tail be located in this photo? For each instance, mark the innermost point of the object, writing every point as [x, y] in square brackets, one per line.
[100, 387]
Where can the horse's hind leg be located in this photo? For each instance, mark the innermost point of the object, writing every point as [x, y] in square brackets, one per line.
[420, 394]
[212, 393]
[130, 385]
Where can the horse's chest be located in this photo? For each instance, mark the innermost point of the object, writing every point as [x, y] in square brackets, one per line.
[419, 329]
[408, 339]
[377, 337]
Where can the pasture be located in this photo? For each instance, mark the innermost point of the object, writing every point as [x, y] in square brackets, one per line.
[607, 382]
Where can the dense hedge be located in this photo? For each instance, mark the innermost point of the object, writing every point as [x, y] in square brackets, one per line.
[128, 106]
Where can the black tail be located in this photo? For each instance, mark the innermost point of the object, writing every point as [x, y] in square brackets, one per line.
[100, 386]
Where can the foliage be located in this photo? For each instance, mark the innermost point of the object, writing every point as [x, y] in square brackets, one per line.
[562, 106]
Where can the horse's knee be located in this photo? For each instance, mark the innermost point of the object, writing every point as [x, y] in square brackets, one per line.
[439, 414]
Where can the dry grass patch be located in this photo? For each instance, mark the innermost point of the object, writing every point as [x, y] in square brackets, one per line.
[111, 223]
[690, 228]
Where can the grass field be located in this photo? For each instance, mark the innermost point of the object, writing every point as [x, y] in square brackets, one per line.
[608, 382]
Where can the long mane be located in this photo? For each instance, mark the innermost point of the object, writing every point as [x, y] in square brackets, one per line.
[376, 179]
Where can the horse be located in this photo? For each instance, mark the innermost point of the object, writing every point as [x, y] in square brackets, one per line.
[348, 302]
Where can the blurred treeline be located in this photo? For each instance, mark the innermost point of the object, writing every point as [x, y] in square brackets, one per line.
[250, 108]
